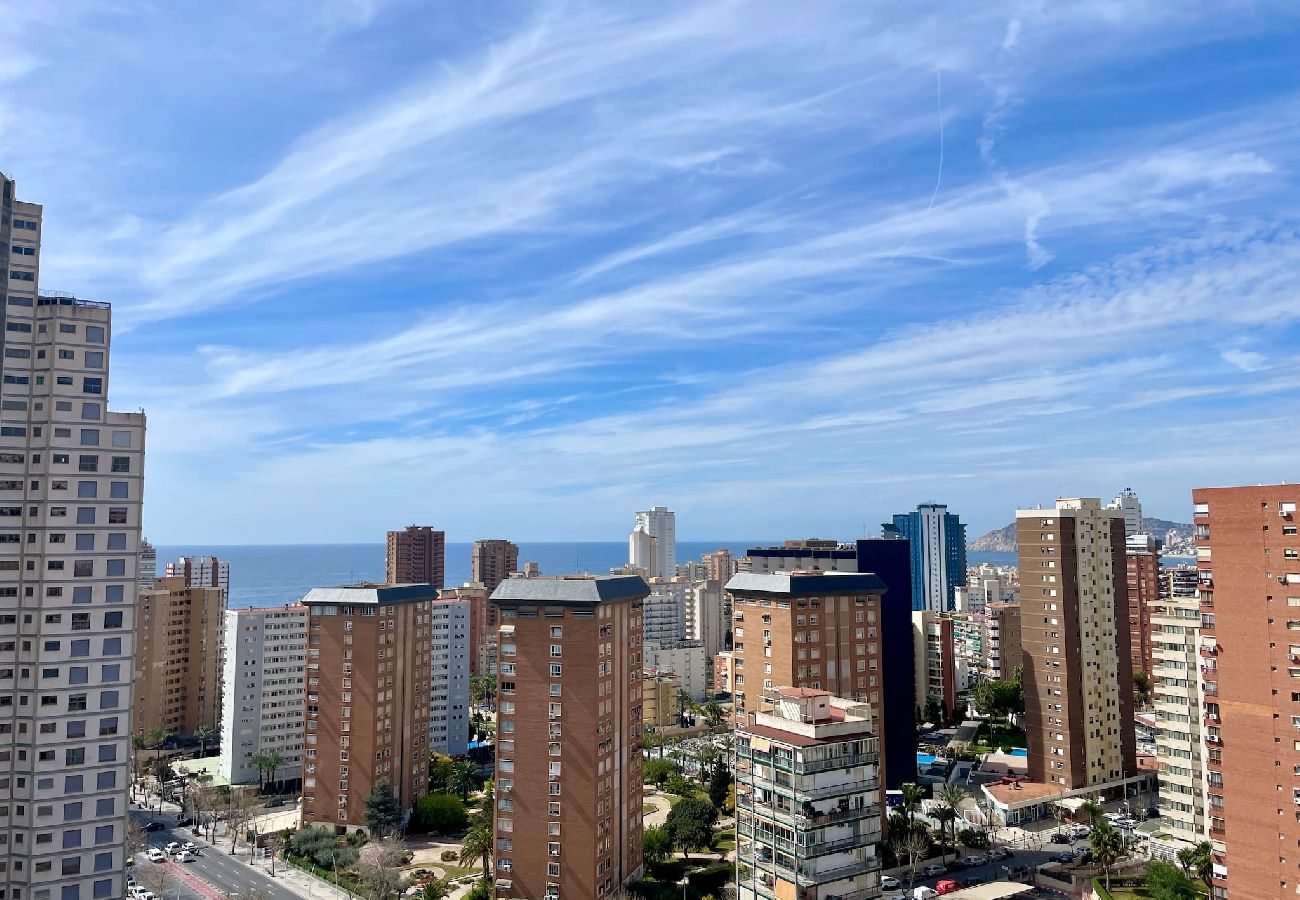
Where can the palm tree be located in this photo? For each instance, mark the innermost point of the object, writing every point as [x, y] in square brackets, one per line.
[477, 847]
[952, 796]
[267, 762]
[654, 739]
[1107, 847]
[714, 713]
[1198, 861]
[138, 746]
[1089, 811]
[911, 802]
[944, 815]
[463, 778]
[684, 702]
[205, 736]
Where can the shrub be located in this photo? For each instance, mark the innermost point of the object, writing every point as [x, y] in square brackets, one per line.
[439, 814]
[973, 837]
[449, 856]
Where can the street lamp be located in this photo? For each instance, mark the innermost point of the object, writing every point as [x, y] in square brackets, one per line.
[685, 880]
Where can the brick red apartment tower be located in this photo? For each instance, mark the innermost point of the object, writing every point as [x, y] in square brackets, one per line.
[569, 733]
[416, 555]
[1142, 554]
[1248, 560]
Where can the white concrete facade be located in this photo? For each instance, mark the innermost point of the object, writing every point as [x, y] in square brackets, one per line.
[663, 614]
[203, 571]
[148, 568]
[686, 660]
[449, 678]
[661, 524]
[1180, 677]
[71, 482]
[263, 690]
[706, 619]
[1130, 507]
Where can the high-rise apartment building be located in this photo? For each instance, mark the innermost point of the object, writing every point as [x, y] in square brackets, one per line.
[935, 661]
[71, 481]
[491, 562]
[1248, 554]
[664, 618]
[706, 619]
[660, 523]
[1078, 678]
[449, 676]
[368, 664]
[1130, 508]
[568, 821]
[177, 658]
[263, 692]
[808, 799]
[720, 565]
[686, 660]
[147, 570]
[416, 555]
[1002, 652]
[937, 539]
[1181, 681]
[203, 571]
[819, 631]
[1142, 567]
[482, 625]
[890, 560]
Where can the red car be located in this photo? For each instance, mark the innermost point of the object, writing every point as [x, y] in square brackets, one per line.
[947, 886]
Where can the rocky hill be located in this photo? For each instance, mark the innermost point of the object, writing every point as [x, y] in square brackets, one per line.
[1177, 537]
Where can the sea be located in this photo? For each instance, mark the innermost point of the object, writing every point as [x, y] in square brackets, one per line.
[275, 574]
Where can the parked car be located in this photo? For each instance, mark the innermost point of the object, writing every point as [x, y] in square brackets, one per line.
[889, 883]
[1001, 853]
[155, 855]
[932, 870]
[1061, 837]
[171, 847]
[1127, 822]
[954, 865]
[153, 826]
[274, 802]
[185, 856]
[924, 893]
[975, 859]
[1079, 830]
[144, 894]
[1064, 858]
[947, 886]
[189, 845]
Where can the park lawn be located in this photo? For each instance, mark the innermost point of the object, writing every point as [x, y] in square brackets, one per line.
[724, 839]
[1135, 893]
[452, 871]
[707, 877]
[647, 808]
[994, 736]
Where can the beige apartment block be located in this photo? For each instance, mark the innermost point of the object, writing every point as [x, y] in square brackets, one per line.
[659, 699]
[178, 657]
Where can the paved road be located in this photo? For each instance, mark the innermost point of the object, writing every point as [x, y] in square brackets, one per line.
[995, 871]
[213, 874]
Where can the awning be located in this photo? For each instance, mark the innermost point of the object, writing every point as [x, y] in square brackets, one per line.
[1071, 803]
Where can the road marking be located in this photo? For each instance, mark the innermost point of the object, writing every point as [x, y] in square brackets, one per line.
[198, 884]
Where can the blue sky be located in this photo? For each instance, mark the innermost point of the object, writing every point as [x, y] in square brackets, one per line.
[519, 269]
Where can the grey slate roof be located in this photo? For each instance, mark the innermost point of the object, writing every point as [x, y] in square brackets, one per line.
[371, 593]
[811, 585]
[571, 591]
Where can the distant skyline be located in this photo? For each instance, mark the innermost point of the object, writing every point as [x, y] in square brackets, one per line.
[521, 269]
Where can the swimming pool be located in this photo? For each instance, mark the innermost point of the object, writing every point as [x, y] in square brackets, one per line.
[1019, 751]
[924, 759]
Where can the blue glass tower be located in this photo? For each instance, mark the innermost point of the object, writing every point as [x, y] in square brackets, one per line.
[938, 549]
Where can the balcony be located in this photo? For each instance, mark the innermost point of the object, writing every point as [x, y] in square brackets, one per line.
[809, 878]
[852, 787]
[1210, 650]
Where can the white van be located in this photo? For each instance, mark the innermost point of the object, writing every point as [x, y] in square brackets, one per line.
[924, 893]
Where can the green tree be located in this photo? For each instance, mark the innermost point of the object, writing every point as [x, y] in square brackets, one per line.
[439, 814]
[1141, 685]
[438, 889]
[440, 766]
[464, 778]
[482, 890]
[684, 702]
[1198, 861]
[657, 771]
[267, 763]
[719, 785]
[482, 815]
[656, 844]
[383, 814]
[677, 784]
[714, 713]
[482, 689]
[205, 736]
[999, 697]
[1166, 881]
[951, 796]
[1107, 847]
[477, 848]
[652, 740]
[1088, 812]
[912, 795]
[690, 824]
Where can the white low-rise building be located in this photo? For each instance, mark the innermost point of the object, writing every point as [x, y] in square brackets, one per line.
[685, 659]
[263, 692]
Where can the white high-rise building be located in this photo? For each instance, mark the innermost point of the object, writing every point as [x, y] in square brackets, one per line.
[449, 679]
[661, 524]
[148, 568]
[706, 619]
[203, 571]
[71, 481]
[1131, 507]
[662, 616]
[641, 552]
[263, 703]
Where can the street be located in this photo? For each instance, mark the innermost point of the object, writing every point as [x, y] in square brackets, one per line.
[224, 876]
[1035, 855]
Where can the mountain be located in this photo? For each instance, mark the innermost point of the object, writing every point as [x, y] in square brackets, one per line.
[1177, 537]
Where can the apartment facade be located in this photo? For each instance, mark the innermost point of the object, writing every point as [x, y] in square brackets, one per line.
[491, 562]
[147, 570]
[482, 625]
[1142, 566]
[570, 679]
[706, 619]
[1002, 650]
[416, 555]
[177, 657]
[1181, 681]
[369, 651]
[808, 799]
[659, 698]
[1248, 557]
[449, 676]
[660, 523]
[685, 659]
[665, 619]
[1078, 678]
[203, 571]
[71, 482]
[936, 669]
[263, 691]
[937, 539]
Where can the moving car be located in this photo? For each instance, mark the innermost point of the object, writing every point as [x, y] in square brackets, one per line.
[153, 826]
[189, 845]
[155, 855]
[1079, 830]
[1000, 853]
[185, 856]
[932, 870]
[171, 847]
[1065, 858]
[1060, 837]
